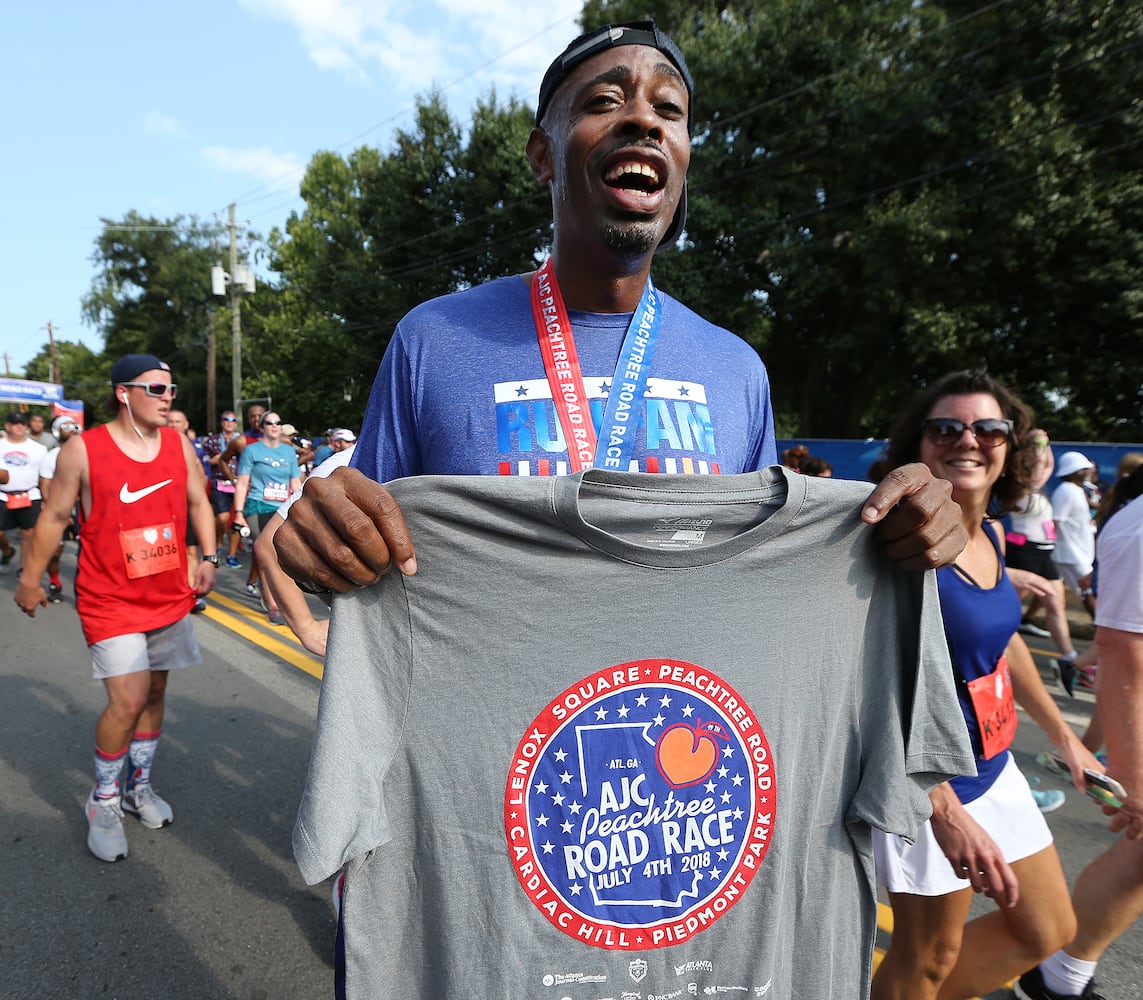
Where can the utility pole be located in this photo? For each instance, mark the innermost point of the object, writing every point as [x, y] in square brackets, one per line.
[235, 317]
[211, 409]
[55, 361]
[241, 282]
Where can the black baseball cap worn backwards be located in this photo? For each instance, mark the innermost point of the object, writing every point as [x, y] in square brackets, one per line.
[611, 36]
[131, 366]
[608, 37]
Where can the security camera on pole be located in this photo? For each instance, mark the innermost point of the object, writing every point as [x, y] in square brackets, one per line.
[241, 281]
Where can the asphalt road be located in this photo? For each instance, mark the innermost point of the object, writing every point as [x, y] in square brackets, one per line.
[212, 907]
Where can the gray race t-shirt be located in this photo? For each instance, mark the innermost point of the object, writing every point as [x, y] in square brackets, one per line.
[624, 735]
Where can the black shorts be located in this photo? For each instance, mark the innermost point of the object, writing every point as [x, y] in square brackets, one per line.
[1032, 558]
[24, 518]
[220, 503]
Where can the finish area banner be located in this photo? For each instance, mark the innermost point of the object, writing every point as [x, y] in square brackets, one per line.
[18, 390]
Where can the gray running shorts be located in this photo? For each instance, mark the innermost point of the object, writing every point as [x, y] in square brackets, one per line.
[167, 648]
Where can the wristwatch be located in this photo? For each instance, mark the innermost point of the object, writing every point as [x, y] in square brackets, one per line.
[213, 560]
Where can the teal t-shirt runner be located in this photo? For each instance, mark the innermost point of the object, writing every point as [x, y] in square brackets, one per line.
[270, 471]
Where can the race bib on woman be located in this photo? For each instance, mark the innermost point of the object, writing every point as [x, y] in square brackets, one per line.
[276, 492]
[995, 708]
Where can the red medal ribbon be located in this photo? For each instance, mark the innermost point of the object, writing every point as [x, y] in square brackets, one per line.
[561, 365]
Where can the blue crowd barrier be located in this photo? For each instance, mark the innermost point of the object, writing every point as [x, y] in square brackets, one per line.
[851, 459]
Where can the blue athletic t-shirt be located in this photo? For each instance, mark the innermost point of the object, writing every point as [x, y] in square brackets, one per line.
[979, 623]
[462, 391]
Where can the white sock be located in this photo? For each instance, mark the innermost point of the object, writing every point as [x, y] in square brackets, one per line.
[1066, 975]
[1069, 656]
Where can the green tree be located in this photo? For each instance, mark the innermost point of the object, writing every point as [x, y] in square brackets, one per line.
[883, 192]
[152, 294]
[382, 232]
[84, 375]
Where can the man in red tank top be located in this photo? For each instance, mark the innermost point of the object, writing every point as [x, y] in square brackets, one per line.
[137, 481]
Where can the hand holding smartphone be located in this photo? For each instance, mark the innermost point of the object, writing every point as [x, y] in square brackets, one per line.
[1104, 790]
[1099, 787]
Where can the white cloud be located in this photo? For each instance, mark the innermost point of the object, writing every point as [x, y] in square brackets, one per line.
[157, 123]
[418, 43]
[278, 171]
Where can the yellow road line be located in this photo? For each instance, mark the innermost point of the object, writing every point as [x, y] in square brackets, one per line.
[1053, 654]
[245, 611]
[293, 653]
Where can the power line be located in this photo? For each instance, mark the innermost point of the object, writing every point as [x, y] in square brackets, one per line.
[716, 123]
[253, 195]
[883, 127]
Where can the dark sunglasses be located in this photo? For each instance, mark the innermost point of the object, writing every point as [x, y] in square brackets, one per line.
[989, 433]
[156, 389]
[271, 423]
[229, 420]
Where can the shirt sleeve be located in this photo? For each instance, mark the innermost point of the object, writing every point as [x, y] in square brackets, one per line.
[246, 461]
[387, 447]
[364, 700]
[913, 735]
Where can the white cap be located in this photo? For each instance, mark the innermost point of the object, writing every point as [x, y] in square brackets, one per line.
[1071, 462]
[61, 422]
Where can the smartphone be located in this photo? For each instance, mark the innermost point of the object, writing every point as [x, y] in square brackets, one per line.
[1099, 787]
[1104, 790]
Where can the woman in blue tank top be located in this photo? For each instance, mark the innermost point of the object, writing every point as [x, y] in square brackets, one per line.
[986, 833]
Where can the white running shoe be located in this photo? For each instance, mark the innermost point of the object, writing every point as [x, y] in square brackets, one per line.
[253, 590]
[153, 812]
[105, 836]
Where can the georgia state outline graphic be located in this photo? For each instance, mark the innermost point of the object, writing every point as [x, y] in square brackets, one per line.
[639, 804]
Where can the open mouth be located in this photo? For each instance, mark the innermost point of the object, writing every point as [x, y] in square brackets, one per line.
[635, 177]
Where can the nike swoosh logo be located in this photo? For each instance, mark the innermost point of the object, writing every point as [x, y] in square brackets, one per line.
[130, 496]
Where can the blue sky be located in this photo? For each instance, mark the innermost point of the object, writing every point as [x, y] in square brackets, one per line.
[181, 108]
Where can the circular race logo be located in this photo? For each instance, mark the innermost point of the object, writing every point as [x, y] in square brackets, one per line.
[639, 804]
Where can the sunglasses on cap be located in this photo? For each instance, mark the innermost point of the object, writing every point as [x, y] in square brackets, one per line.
[156, 389]
[989, 433]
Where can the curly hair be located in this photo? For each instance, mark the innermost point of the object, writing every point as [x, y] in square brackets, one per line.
[792, 458]
[1127, 487]
[905, 436]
